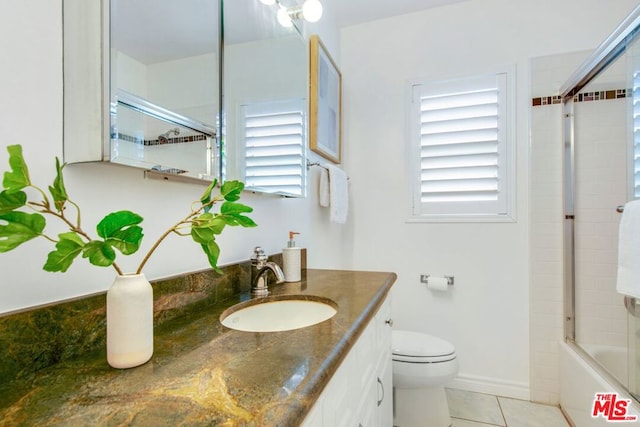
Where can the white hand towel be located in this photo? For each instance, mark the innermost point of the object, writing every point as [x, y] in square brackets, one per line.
[323, 195]
[628, 282]
[338, 194]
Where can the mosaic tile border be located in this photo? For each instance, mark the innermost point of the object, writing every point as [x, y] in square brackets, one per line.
[151, 142]
[602, 95]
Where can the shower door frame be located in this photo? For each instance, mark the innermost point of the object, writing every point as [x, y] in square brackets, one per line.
[612, 48]
[604, 55]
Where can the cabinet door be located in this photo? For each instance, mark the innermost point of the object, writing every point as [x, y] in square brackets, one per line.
[367, 414]
[384, 373]
[339, 405]
[360, 392]
[366, 353]
[384, 396]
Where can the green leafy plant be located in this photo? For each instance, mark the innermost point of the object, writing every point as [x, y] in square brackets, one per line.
[22, 220]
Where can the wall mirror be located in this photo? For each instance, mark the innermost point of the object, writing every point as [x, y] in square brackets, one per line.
[143, 83]
[265, 87]
[164, 75]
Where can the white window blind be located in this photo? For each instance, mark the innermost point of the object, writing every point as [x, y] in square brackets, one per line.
[274, 135]
[460, 145]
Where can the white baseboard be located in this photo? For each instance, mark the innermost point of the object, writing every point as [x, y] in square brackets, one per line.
[493, 386]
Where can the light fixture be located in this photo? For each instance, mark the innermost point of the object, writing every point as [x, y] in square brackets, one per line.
[284, 18]
[310, 11]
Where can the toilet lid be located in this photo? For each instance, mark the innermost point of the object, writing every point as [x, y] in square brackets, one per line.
[416, 344]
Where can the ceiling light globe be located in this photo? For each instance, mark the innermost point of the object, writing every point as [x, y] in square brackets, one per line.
[312, 10]
[283, 18]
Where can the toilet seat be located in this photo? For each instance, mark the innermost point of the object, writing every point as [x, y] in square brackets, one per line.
[416, 347]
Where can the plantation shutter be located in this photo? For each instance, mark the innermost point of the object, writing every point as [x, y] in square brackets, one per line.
[460, 133]
[274, 146]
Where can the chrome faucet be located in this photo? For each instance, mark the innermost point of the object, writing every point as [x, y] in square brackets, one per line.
[260, 267]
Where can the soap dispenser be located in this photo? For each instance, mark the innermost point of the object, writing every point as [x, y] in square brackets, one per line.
[291, 260]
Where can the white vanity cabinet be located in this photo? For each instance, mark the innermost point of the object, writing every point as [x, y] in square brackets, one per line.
[360, 392]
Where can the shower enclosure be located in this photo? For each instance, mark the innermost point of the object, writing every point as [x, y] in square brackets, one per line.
[601, 108]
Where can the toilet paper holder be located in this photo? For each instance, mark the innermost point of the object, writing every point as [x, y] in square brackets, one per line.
[424, 278]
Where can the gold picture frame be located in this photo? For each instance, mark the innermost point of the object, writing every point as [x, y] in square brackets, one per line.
[325, 102]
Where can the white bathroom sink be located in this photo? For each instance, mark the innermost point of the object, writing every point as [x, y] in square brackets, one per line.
[279, 313]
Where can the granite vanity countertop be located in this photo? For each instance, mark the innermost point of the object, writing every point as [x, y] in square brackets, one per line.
[203, 373]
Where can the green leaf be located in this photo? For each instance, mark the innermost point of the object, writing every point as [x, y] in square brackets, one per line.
[99, 253]
[13, 201]
[216, 225]
[228, 220]
[202, 235]
[67, 249]
[205, 227]
[127, 240]
[208, 220]
[21, 227]
[58, 190]
[212, 250]
[231, 190]
[115, 222]
[232, 214]
[18, 177]
[206, 196]
[232, 208]
[245, 221]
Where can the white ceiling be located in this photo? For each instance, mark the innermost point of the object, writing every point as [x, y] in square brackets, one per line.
[155, 39]
[352, 12]
[155, 31]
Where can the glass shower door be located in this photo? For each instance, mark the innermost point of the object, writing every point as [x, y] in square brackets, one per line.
[601, 185]
[602, 172]
[632, 54]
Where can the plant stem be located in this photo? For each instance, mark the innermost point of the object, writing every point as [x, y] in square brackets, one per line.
[45, 199]
[77, 212]
[155, 246]
[173, 229]
[118, 269]
[45, 205]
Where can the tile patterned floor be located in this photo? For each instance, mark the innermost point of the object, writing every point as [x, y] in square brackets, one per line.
[470, 409]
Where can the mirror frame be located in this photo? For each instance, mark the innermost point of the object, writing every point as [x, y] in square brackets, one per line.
[86, 80]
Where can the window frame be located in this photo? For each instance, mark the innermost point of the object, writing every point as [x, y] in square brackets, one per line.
[507, 153]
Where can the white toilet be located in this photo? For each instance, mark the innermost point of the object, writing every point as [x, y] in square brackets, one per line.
[422, 364]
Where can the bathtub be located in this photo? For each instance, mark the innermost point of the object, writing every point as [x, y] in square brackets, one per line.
[614, 359]
[581, 379]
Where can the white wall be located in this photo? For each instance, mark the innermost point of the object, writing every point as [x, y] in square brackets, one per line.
[486, 314]
[31, 114]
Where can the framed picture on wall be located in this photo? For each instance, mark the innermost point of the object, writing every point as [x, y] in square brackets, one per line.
[325, 103]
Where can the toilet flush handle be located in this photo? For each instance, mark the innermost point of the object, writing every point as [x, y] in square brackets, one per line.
[389, 322]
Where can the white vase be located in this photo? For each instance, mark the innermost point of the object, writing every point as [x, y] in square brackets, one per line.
[129, 321]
